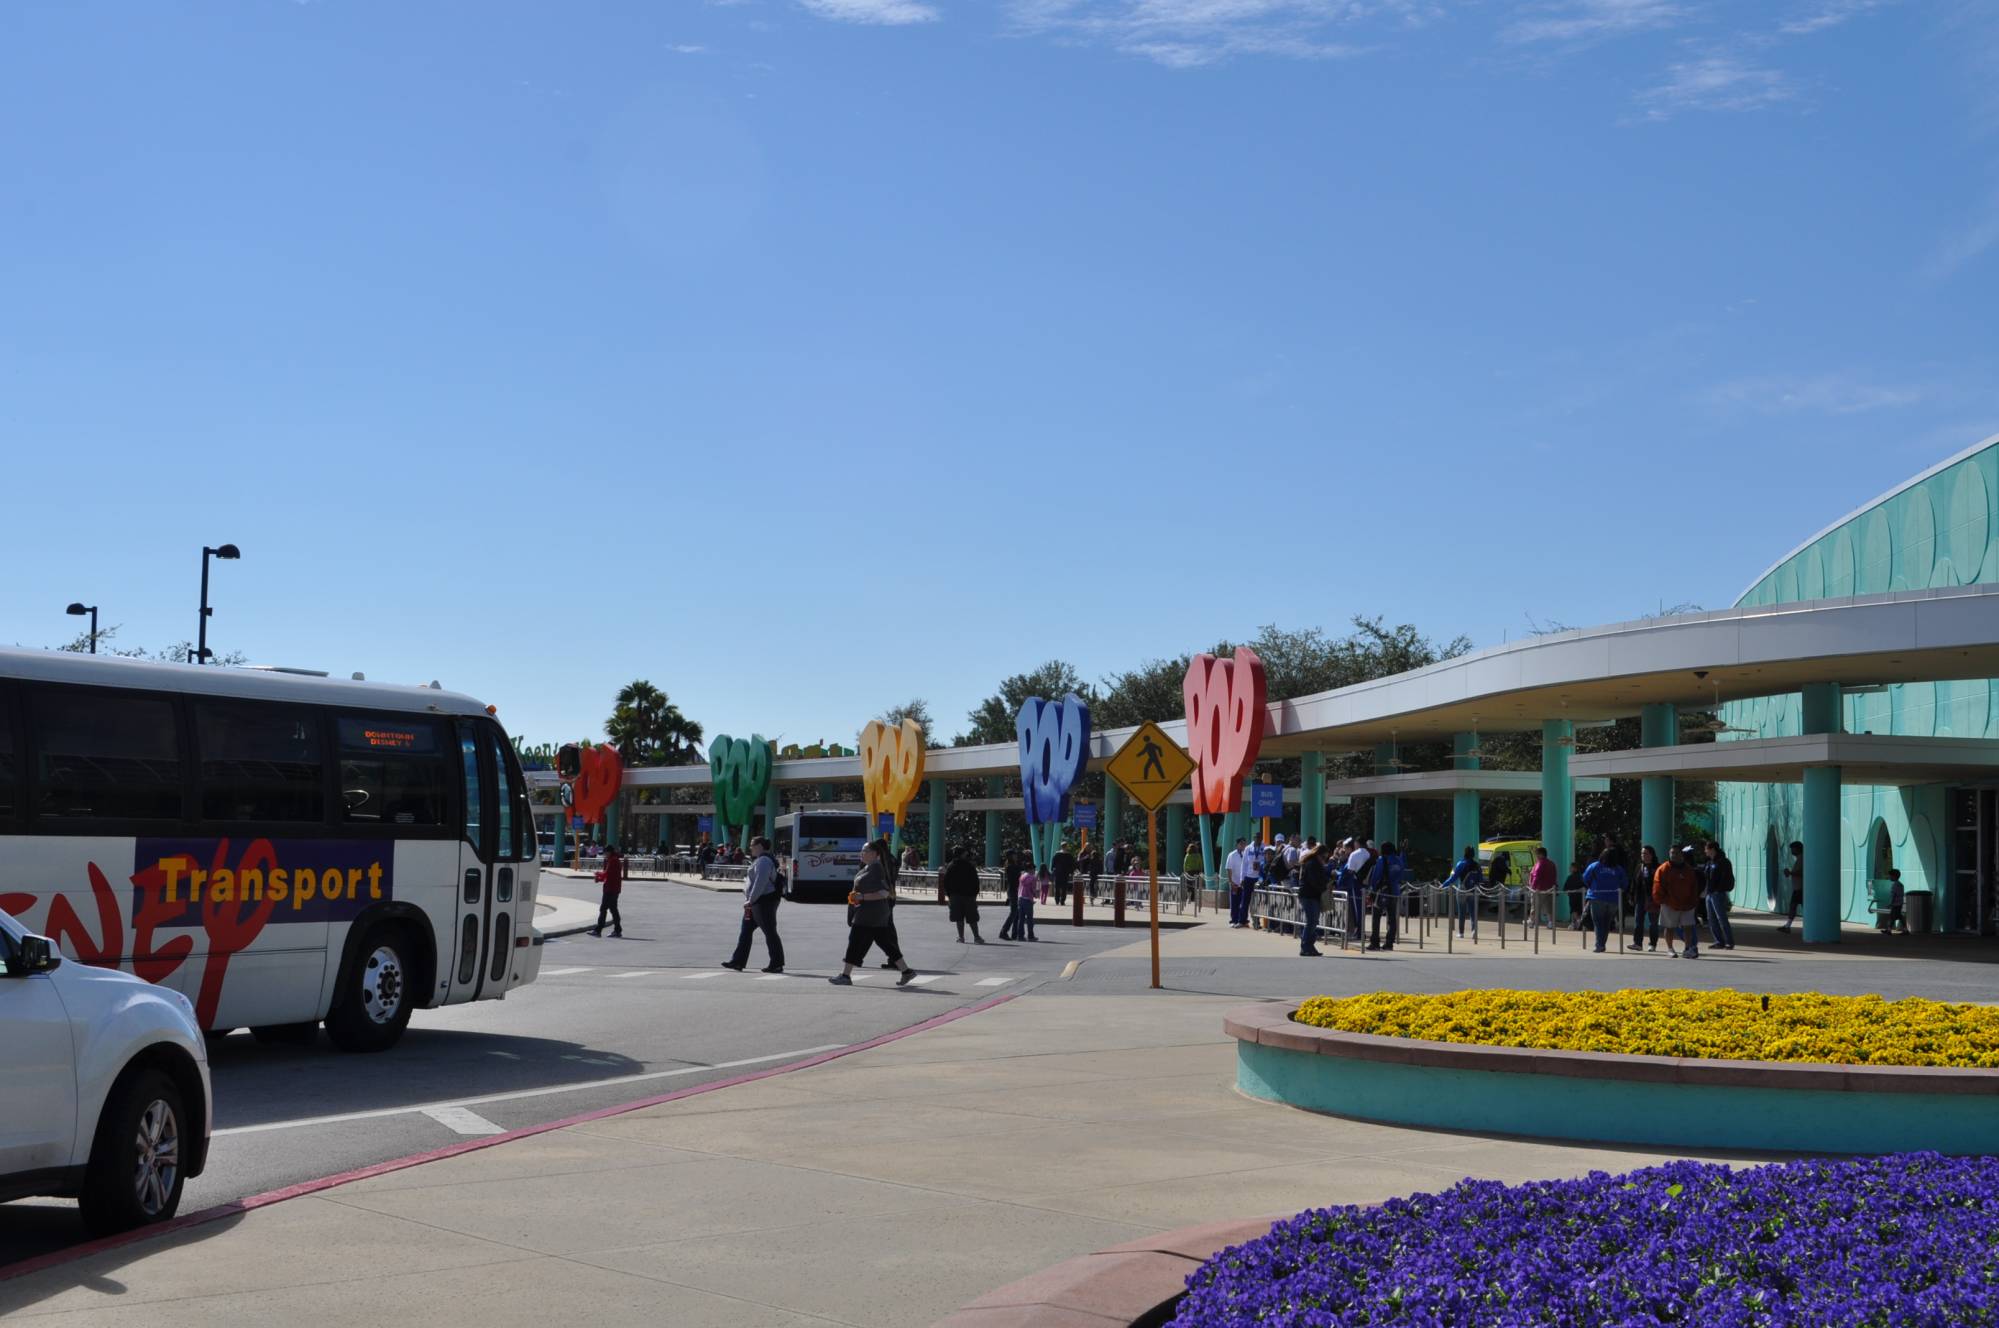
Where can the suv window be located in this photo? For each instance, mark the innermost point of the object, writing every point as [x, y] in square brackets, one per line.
[106, 756]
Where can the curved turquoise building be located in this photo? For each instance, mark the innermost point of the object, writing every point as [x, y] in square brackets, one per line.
[1938, 529]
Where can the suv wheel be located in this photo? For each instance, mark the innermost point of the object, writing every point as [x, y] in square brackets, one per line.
[136, 1172]
[372, 1007]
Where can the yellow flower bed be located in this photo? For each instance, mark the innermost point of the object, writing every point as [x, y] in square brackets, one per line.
[1710, 1025]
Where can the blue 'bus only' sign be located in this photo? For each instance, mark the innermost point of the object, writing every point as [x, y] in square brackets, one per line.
[705, 824]
[1086, 816]
[885, 823]
[1266, 800]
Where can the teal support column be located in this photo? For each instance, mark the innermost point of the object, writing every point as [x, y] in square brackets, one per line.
[1176, 838]
[773, 808]
[1658, 726]
[1821, 837]
[1387, 811]
[561, 837]
[940, 810]
[1558, 793]
[1464, 805]
[994, 786]
[1113, 813]
[1312, 795]
[614, 821]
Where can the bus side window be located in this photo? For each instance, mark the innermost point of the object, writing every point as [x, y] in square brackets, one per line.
[394, 770]
[106, 755]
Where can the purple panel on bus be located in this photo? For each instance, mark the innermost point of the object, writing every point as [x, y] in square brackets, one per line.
[284, 880]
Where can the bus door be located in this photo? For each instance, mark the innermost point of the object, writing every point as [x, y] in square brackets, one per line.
[465, 960]
[490, 859]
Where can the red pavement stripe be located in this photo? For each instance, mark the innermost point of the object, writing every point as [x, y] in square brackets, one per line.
[253, 1202]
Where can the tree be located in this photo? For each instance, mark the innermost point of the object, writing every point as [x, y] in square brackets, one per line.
[993, 720]
[649, 729]
[1151, 691]
[180, 652]
[917, 709]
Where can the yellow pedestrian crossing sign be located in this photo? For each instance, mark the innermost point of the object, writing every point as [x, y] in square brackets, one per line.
[1150, 766]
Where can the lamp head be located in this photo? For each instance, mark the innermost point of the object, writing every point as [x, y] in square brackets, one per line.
[76, 610]
[229, 551]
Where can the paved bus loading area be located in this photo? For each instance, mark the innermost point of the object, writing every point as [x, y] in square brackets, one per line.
[883, 1188]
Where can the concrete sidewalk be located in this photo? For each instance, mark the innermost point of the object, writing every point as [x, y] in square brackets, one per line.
[885, 1188]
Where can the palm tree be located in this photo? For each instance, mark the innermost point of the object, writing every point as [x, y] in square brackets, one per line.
[649, 729]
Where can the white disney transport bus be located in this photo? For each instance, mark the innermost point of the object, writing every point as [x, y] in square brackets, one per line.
[281, 849]
[820, 853]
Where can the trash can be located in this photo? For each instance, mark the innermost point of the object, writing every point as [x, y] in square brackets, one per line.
[1916, 906]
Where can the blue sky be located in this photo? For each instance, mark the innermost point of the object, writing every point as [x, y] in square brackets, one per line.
[807, 355]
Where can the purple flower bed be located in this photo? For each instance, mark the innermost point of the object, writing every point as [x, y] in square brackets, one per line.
[1899, 1242]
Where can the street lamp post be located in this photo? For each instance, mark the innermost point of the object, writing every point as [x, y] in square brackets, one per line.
[201, 635]
[77, 610]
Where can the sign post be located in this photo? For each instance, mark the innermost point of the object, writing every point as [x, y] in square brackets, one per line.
[1150, 766]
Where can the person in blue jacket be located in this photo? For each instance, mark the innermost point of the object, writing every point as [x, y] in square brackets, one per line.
[1465, 880]
[1604, 883]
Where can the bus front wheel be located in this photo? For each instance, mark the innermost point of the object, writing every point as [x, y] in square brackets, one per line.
[372, 1007]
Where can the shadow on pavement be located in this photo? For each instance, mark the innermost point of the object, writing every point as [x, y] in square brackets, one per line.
[31, 1229]
[257, 1083]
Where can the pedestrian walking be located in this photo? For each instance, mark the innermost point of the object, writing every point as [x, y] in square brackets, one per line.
[1894, 919]
[1541, 889]
[1463, 883]
[1010, 887]
[1718, 878]
[1386, 885]
[1236, 866]
[612, 877]
[1794, 878]
[1313, 877]
[1604, 884]
[871, 918]
[1640, 895]
[961, 894]
[1062, 867]
[1676, 889]
[1035, 884]
[763, 890]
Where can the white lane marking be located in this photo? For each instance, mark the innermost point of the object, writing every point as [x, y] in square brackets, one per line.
[463, 1120]
[520, 1093]
[696, 977]
[863, 977]
[992, 982]
[770, 977]
[560, 972]
[637, 973]
[925, 979]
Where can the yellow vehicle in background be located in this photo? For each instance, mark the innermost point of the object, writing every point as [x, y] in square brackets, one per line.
[1519, 857]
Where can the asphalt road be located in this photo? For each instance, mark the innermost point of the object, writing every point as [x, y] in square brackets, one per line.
[609, 1021]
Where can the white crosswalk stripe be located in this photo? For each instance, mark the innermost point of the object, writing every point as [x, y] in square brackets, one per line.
[992, 982]
[463, 1120]
[770, 977]
[925, 979]
[637, 973]
[696, 977]
[561, 972]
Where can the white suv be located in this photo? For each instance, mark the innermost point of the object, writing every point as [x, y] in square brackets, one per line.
[104, 1091]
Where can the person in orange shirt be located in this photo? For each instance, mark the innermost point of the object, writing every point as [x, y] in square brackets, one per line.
[1677, 892]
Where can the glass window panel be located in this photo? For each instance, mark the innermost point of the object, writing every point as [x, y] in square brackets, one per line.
[393, 771]
[106, 756]
[259, 764]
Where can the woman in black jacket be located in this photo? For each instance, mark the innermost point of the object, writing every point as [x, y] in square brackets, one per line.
[961, 893]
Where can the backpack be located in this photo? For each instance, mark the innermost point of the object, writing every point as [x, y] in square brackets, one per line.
[1278, 869]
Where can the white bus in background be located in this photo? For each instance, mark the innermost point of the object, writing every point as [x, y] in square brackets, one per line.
[281, 849]
[820, 852]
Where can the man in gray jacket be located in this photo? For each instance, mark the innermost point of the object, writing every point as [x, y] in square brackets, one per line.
[761, 894]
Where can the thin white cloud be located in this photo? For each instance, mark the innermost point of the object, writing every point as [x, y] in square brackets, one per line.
[1970, 243]
[1185, 34]
[1719, 82]
[1827, 14]
[1821, 394]
[884, 13]
[1582, 21]
[687, 48]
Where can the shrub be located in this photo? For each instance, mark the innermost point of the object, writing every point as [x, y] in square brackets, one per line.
[1724, 1025]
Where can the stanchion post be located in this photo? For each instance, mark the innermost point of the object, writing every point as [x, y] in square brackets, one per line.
[1152, 895]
